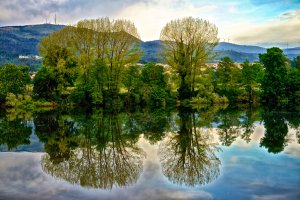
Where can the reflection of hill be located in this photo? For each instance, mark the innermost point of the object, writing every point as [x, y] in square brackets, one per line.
[188, 156]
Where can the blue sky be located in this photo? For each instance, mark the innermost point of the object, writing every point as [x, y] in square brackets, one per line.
[249, 22]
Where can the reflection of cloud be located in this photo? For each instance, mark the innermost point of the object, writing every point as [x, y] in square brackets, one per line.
[293, 147]
[21, 177]
[276, 196]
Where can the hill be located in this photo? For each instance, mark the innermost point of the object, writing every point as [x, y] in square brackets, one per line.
[23, 40]
[225, 46]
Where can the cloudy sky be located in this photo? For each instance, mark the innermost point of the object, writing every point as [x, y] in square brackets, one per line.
[263, 22]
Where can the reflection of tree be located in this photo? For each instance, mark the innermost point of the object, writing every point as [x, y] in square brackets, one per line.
[229, 129]
[207, 114]
[276, 130]
[247, 123]
[294, 121]
[153, 125]
[188, 157]
[14, 133]
[58, 133]
[105, 157]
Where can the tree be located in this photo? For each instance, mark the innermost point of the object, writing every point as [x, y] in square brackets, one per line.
[45, 84]
[293, 86]
[296, 62]
[13, 79]
[59, 69]
[227, 75]
[251, 75]
[274, 84]
[115, 42]
[154, 84]
[132, 82]
[93, 49]
[187, 44]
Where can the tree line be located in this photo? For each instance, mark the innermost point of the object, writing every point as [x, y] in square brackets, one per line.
[95, 63]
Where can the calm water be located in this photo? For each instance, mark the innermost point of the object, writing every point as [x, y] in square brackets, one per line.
[215, 153]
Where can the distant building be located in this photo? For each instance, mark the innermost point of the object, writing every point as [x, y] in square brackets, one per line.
[31, 57]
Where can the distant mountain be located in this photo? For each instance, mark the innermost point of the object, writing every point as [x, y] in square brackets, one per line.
[237, 56]
[23, 40]
[295, 51]
[152, 51]
[225, 46]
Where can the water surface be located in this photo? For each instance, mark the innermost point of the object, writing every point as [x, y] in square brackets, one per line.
[213, 153]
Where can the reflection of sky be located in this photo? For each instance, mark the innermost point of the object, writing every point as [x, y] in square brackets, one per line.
[34, 146]
[247, 172]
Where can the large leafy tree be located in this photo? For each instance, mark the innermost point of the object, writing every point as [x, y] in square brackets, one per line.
[275, 81]
[13, 79]
[187, 44]
[95, 53]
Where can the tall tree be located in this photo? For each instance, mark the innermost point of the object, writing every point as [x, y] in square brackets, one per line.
[275, 80]
[187, 44]
[99, 49]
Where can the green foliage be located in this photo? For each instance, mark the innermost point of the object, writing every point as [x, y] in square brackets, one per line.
[275, 81]
[89, 88]
[296, 62]
[132, 81]
[45, 84]
[293, 85]
[251, 77]
[227, 79]
[154, 86]
[13, 79]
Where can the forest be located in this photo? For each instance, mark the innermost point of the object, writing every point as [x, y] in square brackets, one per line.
[95, 63]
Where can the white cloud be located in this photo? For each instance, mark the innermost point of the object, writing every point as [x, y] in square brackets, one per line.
[151, 18]
[285, 29]
[241, 22]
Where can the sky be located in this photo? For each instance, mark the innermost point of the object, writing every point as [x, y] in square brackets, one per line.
[254, 22]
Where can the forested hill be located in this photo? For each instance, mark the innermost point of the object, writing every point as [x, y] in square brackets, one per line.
[23, 40]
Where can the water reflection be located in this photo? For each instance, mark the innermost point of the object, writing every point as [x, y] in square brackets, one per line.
[96, 149]
[276, 131]
[188, 156]
[58, 133]
[105, 156]
[14, 132]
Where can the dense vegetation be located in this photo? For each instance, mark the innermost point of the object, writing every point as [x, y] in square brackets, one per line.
[95, 63]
